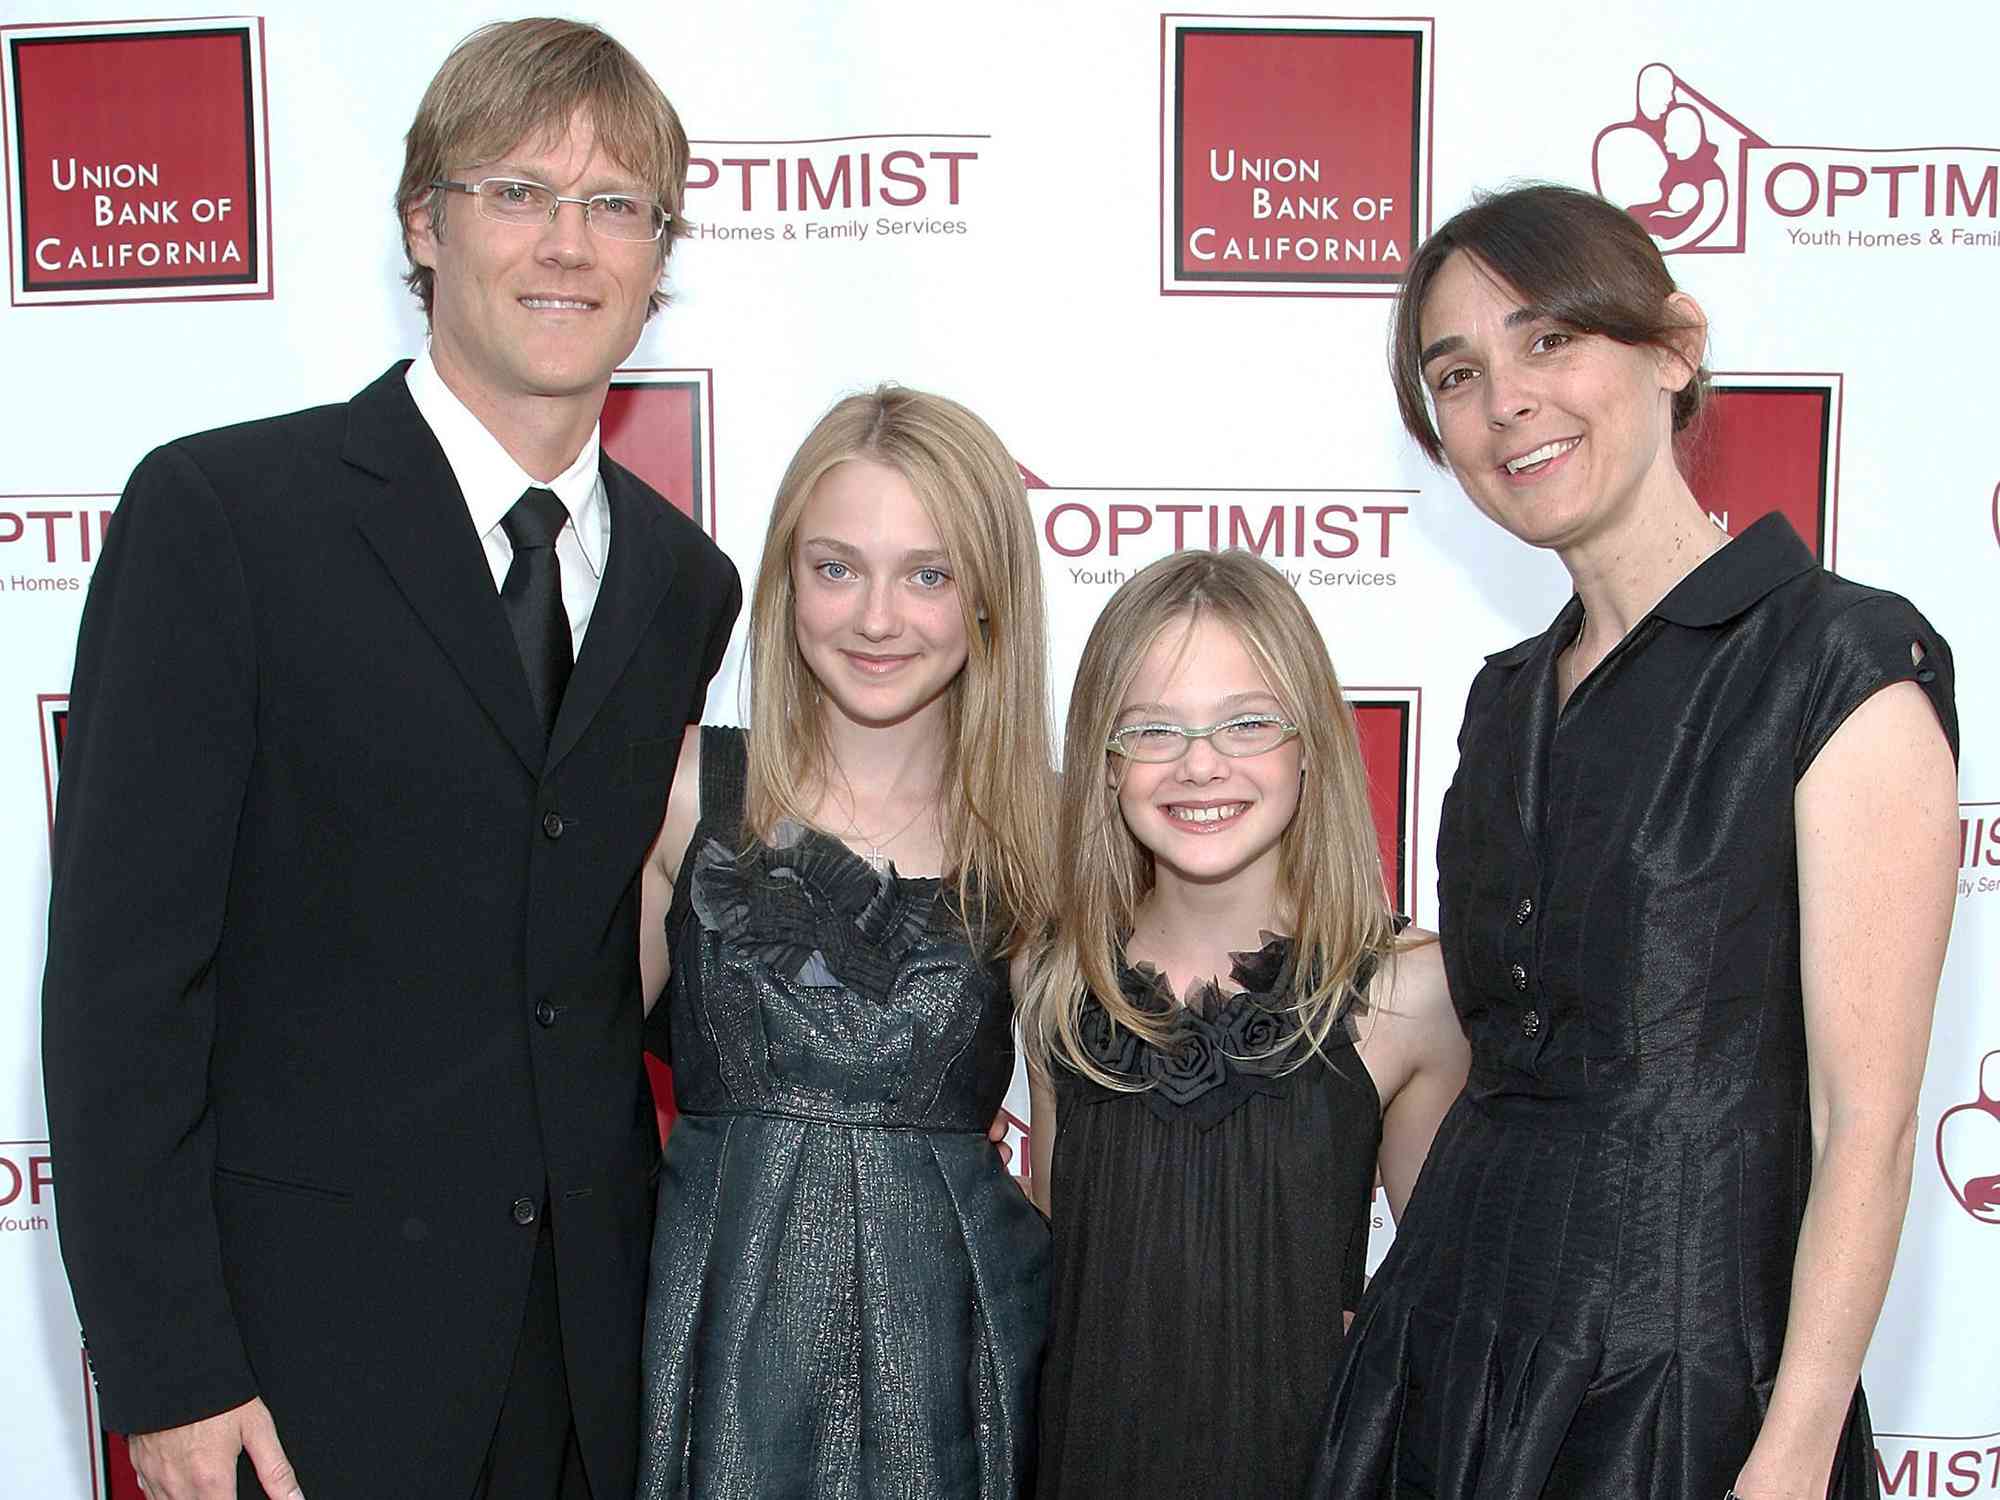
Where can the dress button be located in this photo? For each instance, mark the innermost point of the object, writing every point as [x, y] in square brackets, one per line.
[545, 1013]
[1531, 1024]
[1519, 975]
[1524, 911]
[552, 825]
[524, 1210]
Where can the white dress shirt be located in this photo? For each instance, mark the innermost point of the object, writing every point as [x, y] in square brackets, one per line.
[491, 482]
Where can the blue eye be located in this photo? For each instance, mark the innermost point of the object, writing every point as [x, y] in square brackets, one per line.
[832, 570]
[931, 578]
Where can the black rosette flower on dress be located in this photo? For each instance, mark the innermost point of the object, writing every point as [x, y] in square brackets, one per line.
[1106, 1043]
[1221, 1049]
[1195, 1063]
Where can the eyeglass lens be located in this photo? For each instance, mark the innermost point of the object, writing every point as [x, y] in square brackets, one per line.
[509, 200]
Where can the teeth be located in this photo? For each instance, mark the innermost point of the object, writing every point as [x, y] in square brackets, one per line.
[554, 302]
[1541, 455]
[1206, 814]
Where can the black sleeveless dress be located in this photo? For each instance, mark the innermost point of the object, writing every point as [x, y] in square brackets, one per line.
[848, 1293]
[1209, 1233]
[1589, 1292]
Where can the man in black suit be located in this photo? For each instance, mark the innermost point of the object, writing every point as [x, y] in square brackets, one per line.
[374, 715]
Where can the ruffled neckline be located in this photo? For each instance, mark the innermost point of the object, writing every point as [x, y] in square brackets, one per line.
[1256, 976]
[1225, 1047]
[815, 910]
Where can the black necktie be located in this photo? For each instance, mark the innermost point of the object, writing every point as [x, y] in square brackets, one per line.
[532, 597]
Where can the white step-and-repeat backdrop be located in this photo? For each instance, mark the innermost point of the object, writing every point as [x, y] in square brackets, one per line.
[1154, 250]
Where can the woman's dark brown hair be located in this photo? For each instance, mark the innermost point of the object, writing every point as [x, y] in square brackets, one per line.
[1573, 258]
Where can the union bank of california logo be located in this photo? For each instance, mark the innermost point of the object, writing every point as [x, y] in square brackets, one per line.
[1388, 721]
[1770, 441]
[164, 197]
[1703, 182]
[660, 424]
[1295, 153]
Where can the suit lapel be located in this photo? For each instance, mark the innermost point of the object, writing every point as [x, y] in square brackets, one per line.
[419, 528]
[637, 574]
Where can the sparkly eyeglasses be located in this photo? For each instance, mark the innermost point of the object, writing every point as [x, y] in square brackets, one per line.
[513, 200]
[1246, 734]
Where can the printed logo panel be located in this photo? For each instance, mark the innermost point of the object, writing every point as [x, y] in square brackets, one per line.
[1928, 1464]
[1386, 722]
[660, 424]
[136, 166]
[49, 544]
[914, 188]
[53, 710]
[1295, 157]
[1968, 1145]
[1770, 442]
[1320, 539]
[1703, 182]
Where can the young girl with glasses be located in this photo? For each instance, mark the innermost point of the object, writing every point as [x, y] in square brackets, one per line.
[1227, 1039]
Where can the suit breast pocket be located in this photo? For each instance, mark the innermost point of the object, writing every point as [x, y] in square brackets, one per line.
[646, 760]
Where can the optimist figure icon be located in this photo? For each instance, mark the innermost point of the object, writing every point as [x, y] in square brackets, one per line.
[1675, 166]
[1968, 1146]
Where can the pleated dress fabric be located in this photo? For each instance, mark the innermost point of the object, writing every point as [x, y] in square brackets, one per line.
[848, 1294]
[1589, 1295]
[1209, 1233]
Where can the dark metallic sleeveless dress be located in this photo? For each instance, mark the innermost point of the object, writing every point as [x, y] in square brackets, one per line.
[848, 1294]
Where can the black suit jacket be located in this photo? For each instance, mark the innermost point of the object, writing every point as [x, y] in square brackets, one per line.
[342, 974]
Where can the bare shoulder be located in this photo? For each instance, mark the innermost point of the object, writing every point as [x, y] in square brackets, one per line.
[1411, 985]
[683, 807]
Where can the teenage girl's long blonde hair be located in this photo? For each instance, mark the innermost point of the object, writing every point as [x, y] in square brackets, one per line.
[996, 774]
[1330, 876]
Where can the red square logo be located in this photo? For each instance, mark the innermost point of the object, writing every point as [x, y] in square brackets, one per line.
[136, 163]
[1386, 722]
[660, 424]
[53, 710]
[1770, 442]
[1295, 157]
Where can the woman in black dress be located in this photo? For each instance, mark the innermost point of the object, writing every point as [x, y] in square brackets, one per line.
[1212, 1098]
[1695, 876]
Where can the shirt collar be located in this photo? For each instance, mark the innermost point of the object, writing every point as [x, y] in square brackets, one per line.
[489, 478]
[1727, 582]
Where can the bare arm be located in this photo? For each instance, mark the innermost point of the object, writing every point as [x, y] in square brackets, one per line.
[1041, 1138]
[1877, 851]
[1417, 1055]
[663, 866]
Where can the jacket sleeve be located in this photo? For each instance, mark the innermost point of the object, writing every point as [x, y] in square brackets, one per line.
[161, 735]
[718, 635]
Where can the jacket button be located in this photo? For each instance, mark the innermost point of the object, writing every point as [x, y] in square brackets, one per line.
[552, 825]
[1524, 911]
[545, 1013]
[1519, 975]
[1531, 1024]
[524, 1210]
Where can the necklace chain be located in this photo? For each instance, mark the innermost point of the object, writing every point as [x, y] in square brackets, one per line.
[875, 845]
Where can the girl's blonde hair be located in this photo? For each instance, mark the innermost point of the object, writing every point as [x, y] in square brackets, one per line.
[1330, 872]
[996, 772]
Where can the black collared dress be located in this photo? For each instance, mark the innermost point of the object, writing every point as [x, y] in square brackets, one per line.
[1588, 1297]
